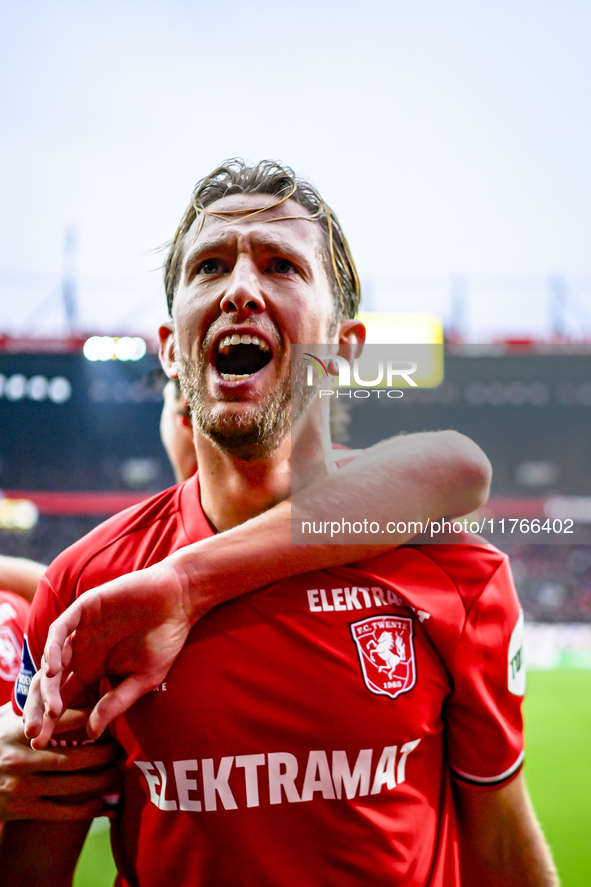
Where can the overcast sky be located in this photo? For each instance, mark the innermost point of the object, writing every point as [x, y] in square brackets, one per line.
[452, 138]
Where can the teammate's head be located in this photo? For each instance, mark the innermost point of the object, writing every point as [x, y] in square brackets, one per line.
[176, 431]
[281, 183]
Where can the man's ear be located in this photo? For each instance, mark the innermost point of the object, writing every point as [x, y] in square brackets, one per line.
[166, 350]
[351, 339]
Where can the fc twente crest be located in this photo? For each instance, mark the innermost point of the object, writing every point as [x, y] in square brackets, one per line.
[386, 654]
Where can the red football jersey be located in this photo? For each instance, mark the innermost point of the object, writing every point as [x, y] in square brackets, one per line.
[13, 617]
[308, 732]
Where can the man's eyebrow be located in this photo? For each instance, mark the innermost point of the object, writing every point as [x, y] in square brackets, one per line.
[212, 245]
[284, 247]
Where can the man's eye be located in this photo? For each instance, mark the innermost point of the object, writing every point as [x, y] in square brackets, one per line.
[282, 266]
[210, 266]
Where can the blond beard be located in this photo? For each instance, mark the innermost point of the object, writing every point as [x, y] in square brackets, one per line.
[249, 435]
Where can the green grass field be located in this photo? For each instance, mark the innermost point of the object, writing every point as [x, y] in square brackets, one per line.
[558, 766]
[558, 773]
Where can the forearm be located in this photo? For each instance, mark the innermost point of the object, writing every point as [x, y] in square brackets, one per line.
[406, 481]
[500, 839]
[412, 477]
[20, 575]
[252, 556]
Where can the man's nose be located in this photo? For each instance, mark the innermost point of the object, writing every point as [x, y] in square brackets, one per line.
[243, 294]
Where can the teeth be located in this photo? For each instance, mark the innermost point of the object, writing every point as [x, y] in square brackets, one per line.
[235, 339]
[234, 377]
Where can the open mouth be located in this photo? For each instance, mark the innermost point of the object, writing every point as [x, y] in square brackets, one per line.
[239, 357]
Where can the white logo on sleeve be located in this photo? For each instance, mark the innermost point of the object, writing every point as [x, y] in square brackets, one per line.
[10, 654]
[516, 673]
[7, 612]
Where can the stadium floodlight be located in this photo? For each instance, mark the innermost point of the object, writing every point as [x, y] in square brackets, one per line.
[59, 390]
[128, 348]
[140, 348]
[18, 514]
[37, 387]
[106, 348]
[90, 348]
[125, 348]
[15, 387]
[99, 348]
[114, 348]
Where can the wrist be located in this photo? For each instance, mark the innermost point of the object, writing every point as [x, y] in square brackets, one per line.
[188, 576]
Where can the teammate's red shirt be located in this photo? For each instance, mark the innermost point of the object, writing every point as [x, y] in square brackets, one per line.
[308, 732]
[13, 617]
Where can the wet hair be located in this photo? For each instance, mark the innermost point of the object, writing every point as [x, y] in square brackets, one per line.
[268, 177]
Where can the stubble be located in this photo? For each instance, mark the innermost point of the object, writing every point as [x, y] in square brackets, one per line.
[249, 433]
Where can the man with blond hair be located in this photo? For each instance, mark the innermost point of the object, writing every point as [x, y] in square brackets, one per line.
[347, 726]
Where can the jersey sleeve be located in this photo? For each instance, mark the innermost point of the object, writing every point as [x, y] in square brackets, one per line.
[45, 609]
[483, 714]
[13, 616]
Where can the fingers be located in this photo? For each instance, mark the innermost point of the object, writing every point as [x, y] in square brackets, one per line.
[72, 719]
[43, 707]
[37, 720]
[118, 700]
[42, 729]
[62, 783]
[33, 713]
[57, 636]
[71, 760]
[53, 656]
[71, 689]
[60, 811]
[44, 696]
[17, 757]
[71, 787]
[56, 658]
[42, 737]
[49, 690]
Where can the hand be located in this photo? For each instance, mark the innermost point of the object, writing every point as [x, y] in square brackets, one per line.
[134, 626]
[62, 784]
